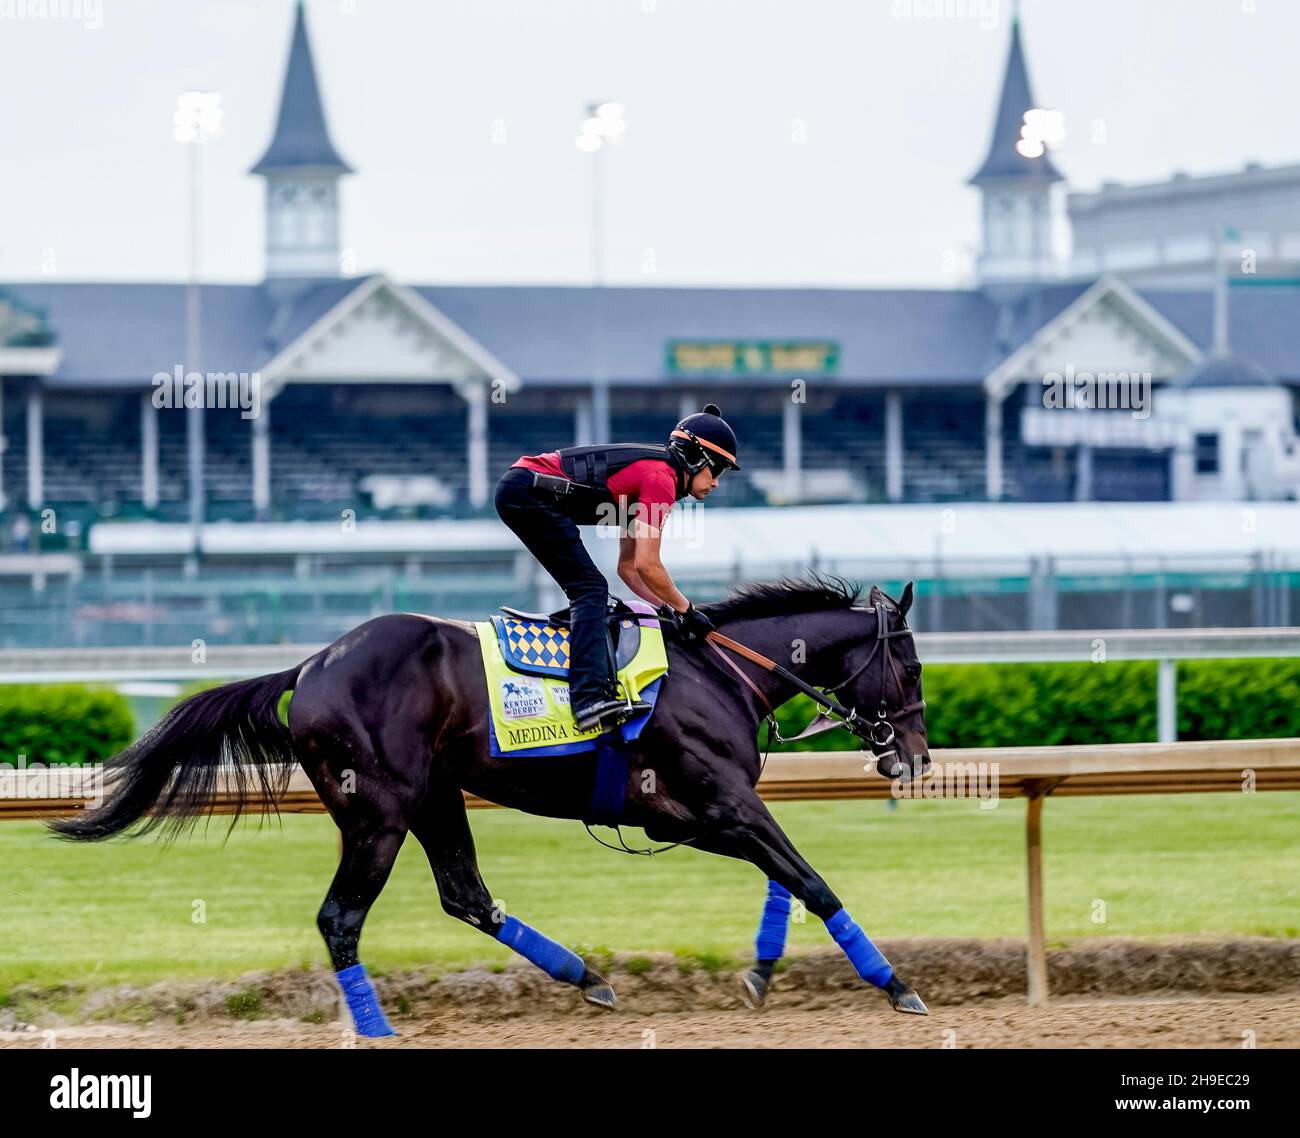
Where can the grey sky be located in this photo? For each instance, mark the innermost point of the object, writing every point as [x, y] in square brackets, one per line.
[711, 186]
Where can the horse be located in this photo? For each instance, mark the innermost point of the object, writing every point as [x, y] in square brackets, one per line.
[390, 724]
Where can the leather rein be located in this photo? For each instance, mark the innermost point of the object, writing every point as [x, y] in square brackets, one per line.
[877, 731]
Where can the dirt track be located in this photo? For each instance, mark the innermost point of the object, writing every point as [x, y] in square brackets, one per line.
[1191, 1022]
[1189, 992]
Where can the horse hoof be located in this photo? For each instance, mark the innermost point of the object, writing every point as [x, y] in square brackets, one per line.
[596, 990]
[903, 999]
[753, 990]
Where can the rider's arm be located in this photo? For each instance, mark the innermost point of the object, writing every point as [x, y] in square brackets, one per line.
[649, 569]
[627, 570]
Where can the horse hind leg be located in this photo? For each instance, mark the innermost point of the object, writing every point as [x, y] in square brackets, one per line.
[367, 860]
[442, 828]
[372, 817]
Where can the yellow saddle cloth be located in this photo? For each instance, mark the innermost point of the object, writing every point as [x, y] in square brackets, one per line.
[530, 712]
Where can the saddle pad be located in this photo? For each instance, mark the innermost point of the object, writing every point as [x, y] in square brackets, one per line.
[530, 713]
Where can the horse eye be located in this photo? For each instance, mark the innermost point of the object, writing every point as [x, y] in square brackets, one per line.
[912, 672]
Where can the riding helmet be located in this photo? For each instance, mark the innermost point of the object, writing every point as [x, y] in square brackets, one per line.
[705, 437]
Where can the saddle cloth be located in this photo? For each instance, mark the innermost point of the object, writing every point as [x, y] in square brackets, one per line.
[526, 666]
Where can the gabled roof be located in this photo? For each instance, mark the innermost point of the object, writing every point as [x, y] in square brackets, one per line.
[931, 336]
[1226, 371]
[301, 137]
[1004, 162]
[120, 335]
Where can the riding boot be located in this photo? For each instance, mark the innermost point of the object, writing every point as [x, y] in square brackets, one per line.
[611, 710]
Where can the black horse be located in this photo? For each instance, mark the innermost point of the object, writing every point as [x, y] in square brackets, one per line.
[390, 724]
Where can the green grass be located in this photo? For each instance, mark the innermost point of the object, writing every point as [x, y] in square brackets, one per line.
[1164, 865]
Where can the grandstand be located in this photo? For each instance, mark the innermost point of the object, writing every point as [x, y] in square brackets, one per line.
[398, 405]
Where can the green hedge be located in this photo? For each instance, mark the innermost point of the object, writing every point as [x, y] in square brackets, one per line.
[1038, 705]
[62, 723]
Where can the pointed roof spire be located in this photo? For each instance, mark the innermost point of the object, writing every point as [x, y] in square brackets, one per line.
[1004, 161]
[301, 137]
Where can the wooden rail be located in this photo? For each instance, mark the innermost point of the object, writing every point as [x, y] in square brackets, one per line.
[993, 774]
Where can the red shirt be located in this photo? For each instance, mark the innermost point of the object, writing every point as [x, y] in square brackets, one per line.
[650, 483]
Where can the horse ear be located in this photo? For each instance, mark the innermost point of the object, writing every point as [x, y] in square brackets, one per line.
[878, 598]
[906, 602]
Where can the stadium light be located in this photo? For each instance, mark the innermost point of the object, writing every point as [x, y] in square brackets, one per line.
[197, 120]
[1042, 130]
[198, 116]
[604, 123]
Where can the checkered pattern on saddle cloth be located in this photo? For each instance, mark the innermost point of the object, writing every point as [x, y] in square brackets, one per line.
[539, 649]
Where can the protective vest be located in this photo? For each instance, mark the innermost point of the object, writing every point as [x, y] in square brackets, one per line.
[591, 466]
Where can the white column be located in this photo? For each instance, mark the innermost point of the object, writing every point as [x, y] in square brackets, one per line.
[686, 405]
[476, 449]
[262, 461]
[894, 445]
[993, 446]
[1231, 485]
[1167, 702]
[1083, 474]
[35, 447]
[582, 421]
[600, 411]
[1184, 469]
[148, 452]
[792, 449]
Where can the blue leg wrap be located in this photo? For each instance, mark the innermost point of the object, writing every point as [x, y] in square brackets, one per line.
[363, 1003]
[770, 942]
[554, 959]
[865, 957]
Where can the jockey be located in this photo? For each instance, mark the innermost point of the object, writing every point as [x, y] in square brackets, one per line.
[543, 498]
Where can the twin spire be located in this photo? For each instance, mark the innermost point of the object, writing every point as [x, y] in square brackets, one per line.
[1004, 162]
[302, 167]
[302, 170]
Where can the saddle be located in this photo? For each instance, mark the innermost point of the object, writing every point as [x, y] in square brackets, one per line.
[525, 663]
[537, 643]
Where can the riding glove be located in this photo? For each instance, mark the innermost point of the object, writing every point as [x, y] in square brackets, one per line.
[694, 625]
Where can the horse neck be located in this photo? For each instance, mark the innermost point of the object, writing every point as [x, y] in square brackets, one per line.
[812, 645]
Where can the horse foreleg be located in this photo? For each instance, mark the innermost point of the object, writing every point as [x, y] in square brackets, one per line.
[442, 828]
[752, 834]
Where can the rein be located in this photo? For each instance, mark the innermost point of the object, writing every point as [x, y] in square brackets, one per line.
[878, 731]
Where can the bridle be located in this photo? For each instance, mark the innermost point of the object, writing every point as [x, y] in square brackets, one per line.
[882, 724]
[878, 730]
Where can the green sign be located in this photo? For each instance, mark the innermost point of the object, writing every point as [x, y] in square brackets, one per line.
[753, 357]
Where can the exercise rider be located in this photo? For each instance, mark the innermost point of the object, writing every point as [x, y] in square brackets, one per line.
[543, 498]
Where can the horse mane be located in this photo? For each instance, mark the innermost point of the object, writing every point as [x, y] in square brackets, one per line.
[813, 592]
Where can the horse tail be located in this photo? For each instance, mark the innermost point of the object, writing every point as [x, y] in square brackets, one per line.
[230, 738]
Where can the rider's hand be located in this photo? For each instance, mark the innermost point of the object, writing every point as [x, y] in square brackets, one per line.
[694, 625]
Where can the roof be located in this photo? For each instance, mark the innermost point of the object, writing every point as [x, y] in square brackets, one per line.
[884, 335]
[118, 335]
[1004, 162]
[1227, 371]
[301, 138]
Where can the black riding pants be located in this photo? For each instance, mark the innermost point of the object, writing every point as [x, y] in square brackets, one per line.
[552, 537]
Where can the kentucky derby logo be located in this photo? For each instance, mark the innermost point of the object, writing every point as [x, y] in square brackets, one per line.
[522, 697]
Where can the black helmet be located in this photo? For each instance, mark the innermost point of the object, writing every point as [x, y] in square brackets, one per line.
[704, 438]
